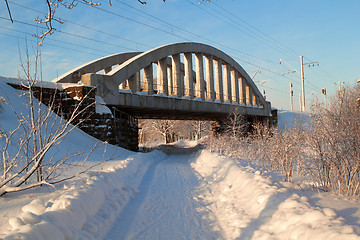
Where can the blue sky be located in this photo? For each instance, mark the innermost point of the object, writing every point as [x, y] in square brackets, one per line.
[255, 33]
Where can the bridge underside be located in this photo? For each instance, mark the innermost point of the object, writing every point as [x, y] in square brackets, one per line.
[164, 107]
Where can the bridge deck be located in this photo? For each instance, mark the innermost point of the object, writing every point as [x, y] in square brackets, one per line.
[157, 106]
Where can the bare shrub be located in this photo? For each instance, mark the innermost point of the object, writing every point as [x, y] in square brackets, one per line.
[334, 141]
[327, 148]
[276, 150]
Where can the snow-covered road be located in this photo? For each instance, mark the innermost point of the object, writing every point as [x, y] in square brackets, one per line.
[165, 205]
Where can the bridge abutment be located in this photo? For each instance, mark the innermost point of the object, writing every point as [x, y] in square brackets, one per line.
[117, 128]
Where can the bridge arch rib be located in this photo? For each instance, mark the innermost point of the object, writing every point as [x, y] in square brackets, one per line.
[183, 71]
[104, 63]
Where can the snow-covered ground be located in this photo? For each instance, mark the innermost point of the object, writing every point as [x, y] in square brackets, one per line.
[156, 196]
[289, 120]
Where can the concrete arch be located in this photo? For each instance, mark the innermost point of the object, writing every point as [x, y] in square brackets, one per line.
[104, 63]
[194, 79]
[130, 67]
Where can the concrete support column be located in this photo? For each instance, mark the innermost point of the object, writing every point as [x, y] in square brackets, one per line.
[219, 80]
[162, 77]
[248, 95]
[177, 79]
[254, 101]
[170, 80]
[200, 83]
[134, 82]
[149, 79]
[189, 75]
[210, 77]
[227, 83]
[242, 90]
[235, 86]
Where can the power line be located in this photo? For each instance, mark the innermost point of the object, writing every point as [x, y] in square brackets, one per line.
[87, 27]
[54, 45]
[133, 20]
[184, 30]
[259, 31]
[325, 71]
[231, 23]
[72, 34]
[276, 90]
[55, 40]
[262, 68]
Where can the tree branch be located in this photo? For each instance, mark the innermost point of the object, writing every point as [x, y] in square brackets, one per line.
[7, 5]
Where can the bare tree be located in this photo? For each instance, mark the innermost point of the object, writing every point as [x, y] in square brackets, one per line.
[236, 124]
[25, 159]
[198, 129]
[166, 128]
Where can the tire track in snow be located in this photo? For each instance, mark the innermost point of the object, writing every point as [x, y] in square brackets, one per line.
[165, 207]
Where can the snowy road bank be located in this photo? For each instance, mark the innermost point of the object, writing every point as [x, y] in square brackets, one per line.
[154, 196]
[249, 205]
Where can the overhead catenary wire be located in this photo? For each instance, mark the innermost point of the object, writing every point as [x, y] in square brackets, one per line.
[53, 45]
[133, 20]
[72, 34]
[190, 33]
[234, 25]
[258, 31]
[87, 27]
[60, 41]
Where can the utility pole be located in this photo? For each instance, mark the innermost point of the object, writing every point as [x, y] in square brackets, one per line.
[303, 80]
[291, 97]
[302, 96]
[324, 92]
[302, 84]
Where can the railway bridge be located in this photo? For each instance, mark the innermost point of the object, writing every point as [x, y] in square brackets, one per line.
[177, 81]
